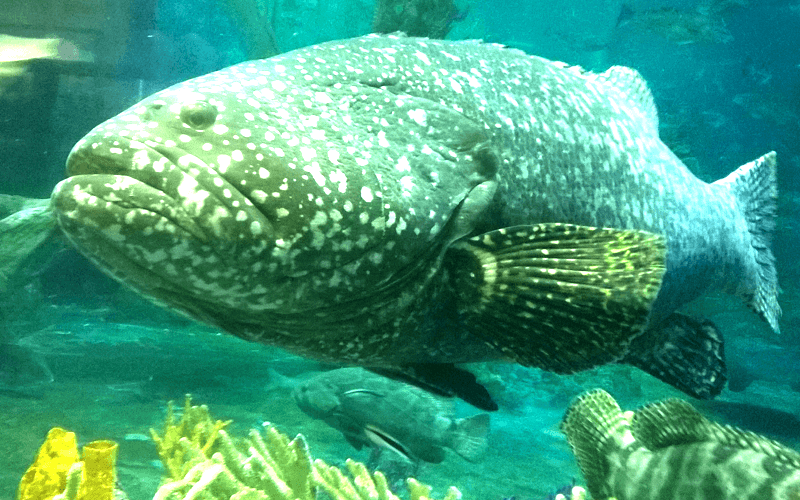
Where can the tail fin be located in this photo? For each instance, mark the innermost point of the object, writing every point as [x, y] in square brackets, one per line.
[469, 439]
[755, 186]
[596, 429]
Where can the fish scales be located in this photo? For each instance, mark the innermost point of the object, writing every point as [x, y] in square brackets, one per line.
[349, 201]
[668, 450]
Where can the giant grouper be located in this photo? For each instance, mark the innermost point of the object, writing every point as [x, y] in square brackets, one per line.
[408, 205]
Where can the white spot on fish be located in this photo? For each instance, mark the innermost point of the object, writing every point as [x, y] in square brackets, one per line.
[322, 97]
[422, 57]
[339, 178]
[407, 183]
[316, 173]
[220, 129]
[403, 165]
[420, 116]
[382, 142]
[366, 194]
[224, 161]
[308, 153]
[259, 196]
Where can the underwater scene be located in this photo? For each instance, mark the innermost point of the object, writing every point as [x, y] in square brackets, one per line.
[379, 249]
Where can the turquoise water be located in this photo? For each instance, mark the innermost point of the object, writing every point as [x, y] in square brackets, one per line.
[79, 352]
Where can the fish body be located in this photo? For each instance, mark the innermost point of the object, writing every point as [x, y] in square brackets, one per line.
[407, 203]
[377, 411]
[669, 451]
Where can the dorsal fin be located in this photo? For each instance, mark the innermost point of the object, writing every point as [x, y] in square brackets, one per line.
[633, 87]
[674, 422]
[668, 423]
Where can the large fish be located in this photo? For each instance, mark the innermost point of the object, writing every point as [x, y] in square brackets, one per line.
[669, 451]
[406, 204]
[371, 410]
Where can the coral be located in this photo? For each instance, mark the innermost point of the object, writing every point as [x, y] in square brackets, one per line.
[576, 493]
[47, 476]
[57, 472]
[273, 468]
[195, 426]
[74, 477]
[265, 466]
[366, 486]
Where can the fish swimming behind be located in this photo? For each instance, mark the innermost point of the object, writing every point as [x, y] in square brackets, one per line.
[669, 451]
[408, 204]
[379, 412]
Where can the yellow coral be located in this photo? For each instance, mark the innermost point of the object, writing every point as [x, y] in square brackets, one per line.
[47, 476]
[99, 458]
[58, 474]
[197, 427]
[265, 466]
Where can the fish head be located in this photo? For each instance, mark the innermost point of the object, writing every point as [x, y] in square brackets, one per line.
[255, 190]
[317, 399]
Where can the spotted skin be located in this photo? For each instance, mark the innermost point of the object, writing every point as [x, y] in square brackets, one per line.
[668, 451]
[308, 200]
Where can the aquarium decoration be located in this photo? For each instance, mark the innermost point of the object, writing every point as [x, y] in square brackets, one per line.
[202, 461]
[58, 473]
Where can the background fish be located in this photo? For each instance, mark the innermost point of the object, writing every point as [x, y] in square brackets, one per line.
[375, 411]
[668, 450]
[406, 204]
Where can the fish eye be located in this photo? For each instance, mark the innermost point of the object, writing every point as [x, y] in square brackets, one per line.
[199, 114]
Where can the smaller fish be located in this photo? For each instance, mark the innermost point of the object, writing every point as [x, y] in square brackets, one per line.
[669, 451]
[375, 411]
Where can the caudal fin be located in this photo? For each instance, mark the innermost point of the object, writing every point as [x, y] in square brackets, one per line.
[755, 187]
[470, 437]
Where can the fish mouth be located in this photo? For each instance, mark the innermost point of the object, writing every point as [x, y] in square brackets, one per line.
[171, 226]
[165, 181]
[155, 218]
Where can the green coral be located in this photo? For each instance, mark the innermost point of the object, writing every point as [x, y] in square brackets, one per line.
[205, 462]
[366, 486]
[196, 428]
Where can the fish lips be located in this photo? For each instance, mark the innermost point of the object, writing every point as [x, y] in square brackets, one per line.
[133, 176]
[152, 217]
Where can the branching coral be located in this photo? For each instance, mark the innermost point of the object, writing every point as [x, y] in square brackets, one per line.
[265, 466]
[203, 462]
[197, 428]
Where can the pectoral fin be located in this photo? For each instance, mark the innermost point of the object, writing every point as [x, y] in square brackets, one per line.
[558, 296]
